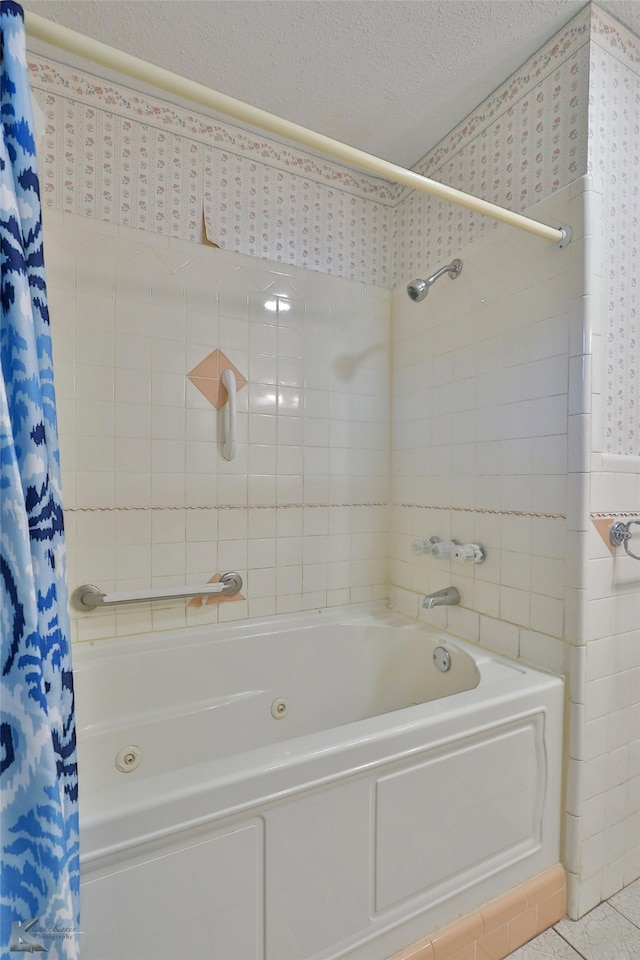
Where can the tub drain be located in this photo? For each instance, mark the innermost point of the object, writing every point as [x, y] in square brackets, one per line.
[280, 708]
[129, 758]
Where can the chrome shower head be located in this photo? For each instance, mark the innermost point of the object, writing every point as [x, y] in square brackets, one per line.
[418, 289]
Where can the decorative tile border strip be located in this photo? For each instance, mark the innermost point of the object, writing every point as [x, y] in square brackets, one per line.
[228, 506]
[117, 99]
[484, 510]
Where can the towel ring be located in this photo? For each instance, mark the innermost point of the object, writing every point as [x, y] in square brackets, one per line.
[619, 535]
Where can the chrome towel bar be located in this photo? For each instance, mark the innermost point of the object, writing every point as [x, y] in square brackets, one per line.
[88, 597]
[619, 535]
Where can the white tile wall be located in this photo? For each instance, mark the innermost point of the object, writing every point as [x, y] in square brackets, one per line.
[480, 437]
[549, 591]
[603, 847]
[301, 511]
[605, 745]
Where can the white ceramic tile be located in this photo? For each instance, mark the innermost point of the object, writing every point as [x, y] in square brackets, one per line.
[604, 934]
[132, 386]
[548, 537]
[613, 876]
[94, 489]
[95, 454]
[548, 946]
[516, 569]
[167, 559]
[627, 903]
[167, 488]
[134, 563]
[261, 553]
[589, 894]
[499, 635]
[201, 525]
[132, 352]
[547, 576]
[544, 651]
[515, 608]
[168, 423]
[132, 455]
[262, 581]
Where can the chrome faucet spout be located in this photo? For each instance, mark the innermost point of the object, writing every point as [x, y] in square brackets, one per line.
[447, 597]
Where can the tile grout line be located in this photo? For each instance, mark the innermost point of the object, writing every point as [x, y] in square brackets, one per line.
[571, 945]
[623, 915]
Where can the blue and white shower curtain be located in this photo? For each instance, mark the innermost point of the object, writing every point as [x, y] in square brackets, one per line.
[39, 872]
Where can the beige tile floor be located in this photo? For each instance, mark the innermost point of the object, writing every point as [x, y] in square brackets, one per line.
[609, 932]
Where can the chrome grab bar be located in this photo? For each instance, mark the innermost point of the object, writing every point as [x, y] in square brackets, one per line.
[89, 597]
[231, 418]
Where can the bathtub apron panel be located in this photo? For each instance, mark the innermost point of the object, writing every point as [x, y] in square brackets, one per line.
[319, 834]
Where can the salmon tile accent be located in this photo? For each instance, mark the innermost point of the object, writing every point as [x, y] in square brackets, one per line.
[457, 936]
[209, 368]
[523, 928]
[206, 376]
[551, 910]
[499, 912]
[494, 945]
[603, 526]
[423, 950]
[544, 885]
[499, 927]
[215, 597]
[467, 953]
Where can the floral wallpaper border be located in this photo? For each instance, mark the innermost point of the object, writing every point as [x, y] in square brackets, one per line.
[84, 88]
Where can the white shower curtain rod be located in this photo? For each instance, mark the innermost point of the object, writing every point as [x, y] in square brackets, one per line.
[73, 42]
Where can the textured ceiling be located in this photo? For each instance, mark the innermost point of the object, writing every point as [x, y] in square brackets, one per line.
[391, 77]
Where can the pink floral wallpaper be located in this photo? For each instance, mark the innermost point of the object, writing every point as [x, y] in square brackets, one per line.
[110, 153]
[284, 216]
[113, 154]
[527, 144]
[614, 125]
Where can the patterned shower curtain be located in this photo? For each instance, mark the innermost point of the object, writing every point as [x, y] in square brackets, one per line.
[39, 873]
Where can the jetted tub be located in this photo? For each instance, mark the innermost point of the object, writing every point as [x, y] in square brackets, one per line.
[306, 786]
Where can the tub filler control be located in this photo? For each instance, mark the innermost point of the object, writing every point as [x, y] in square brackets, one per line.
[129, 758]
[442, 659]
[280, 708]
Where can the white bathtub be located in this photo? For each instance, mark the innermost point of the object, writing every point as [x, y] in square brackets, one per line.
[382, 800]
